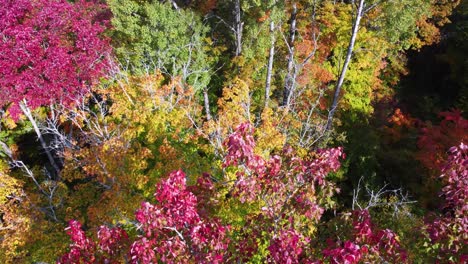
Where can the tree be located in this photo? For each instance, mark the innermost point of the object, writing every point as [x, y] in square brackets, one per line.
[271, 56]
[121, 140]
[143, 44]
[151, 36]
[367, 243]
[171, 231]
[447, 232]
[224, 106]
[393, 27]
[52, 51]
[280, 198]
[291, 74]
[436, 139]
[238, 27]
[360, 11]
[284, 198]
[15, 221]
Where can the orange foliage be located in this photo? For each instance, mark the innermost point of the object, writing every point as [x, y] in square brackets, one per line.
[170, 159]
[429, 27]
[400, 119]
[399, 122]
[309, 44]
[264, 17]
[398, 125]
[315, 72]
[205, 6]
[437, 139]
[442, 9]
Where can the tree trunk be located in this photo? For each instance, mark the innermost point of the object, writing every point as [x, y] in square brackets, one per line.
[270, 64]
[207, 104]
[28, 114]
[174, 4]
[349, 54]
[238, 27]
[290, 76]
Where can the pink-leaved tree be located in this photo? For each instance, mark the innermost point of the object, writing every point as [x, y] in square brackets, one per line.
[171, 231]
[178, 227]
[51, 51]
[368, 244]
[449, 232]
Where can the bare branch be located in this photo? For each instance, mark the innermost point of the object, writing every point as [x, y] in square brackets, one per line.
[380, 198]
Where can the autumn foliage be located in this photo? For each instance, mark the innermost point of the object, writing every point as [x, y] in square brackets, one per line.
[448, 231]
[437, 139]
[56, 50]
[231, 131]
[172, 230]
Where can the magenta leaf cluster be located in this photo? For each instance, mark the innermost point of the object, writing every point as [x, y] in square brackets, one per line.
[83, 250]
[172, 231]
[367, 244]
[292, 189]
[287, 246]
[450, 230]
[50, 51]
[257, 176]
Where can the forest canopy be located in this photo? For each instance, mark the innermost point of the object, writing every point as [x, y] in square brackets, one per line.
[233, 131]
